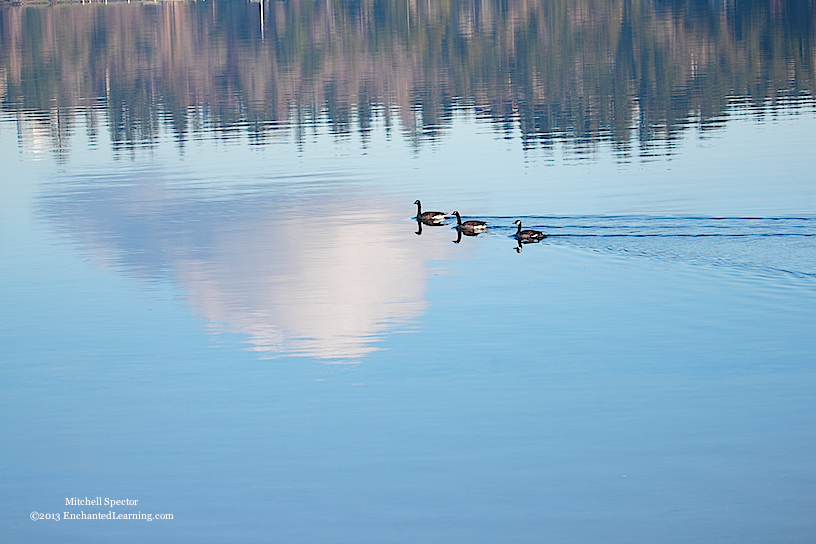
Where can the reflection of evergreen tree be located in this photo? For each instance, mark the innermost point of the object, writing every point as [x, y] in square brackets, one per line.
[584, 70]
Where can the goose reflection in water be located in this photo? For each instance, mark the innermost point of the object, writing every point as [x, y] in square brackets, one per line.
[521, 243]
[420, 223]
[460, 232]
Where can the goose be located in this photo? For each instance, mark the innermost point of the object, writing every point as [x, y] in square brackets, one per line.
[530, 235]
[428, 218]
[469, 226]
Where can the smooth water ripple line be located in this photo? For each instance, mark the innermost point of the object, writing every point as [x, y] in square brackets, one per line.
[645, 226]
[759, 244]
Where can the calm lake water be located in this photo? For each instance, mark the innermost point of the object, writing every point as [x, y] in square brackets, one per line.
[216, 300]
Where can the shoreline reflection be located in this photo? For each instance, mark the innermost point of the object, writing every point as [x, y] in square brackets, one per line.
[633, 75]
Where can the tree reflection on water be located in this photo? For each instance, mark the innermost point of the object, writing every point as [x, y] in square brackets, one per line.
[627, 72]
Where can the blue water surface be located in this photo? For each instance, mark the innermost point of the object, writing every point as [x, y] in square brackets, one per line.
[251, 334]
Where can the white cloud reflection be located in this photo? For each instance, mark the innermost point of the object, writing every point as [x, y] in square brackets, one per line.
[320, 284]
[320, 276]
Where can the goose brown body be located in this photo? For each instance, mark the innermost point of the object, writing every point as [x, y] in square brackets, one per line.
[428, 217]
[528, 234]
[469, 226]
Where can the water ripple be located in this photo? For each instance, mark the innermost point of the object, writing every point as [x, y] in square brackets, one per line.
[764, 245]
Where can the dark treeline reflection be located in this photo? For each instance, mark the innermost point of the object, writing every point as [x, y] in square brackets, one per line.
[577, 70]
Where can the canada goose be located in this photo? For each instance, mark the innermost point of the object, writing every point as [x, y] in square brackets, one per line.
[469, 226]
[429, 218]
[531, 235]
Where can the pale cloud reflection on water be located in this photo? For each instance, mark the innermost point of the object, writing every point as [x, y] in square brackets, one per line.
[321, 277]
[324, 289]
